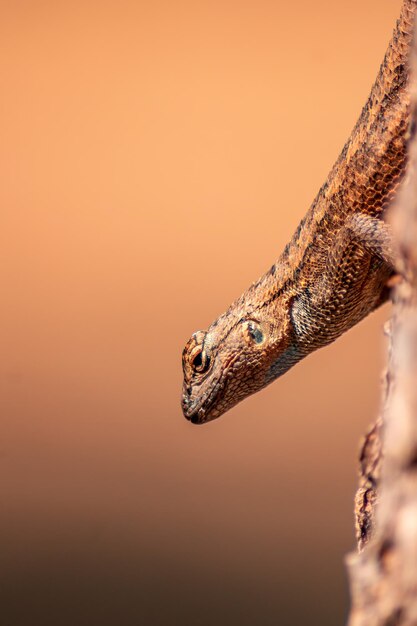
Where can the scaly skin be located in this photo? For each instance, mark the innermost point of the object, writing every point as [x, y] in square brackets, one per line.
[333, 272]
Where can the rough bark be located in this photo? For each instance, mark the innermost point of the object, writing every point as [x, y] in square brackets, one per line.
[383, 575]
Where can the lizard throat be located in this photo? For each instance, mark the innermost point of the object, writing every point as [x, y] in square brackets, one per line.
[283, 363]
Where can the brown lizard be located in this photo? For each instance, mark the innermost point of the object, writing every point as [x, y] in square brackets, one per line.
[333, 272]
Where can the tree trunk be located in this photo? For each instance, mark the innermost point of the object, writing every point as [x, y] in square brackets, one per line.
[383, 575]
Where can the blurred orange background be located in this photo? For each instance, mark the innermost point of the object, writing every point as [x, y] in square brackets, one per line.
[155, 159]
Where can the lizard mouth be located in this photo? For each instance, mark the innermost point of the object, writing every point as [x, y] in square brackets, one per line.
[198, 412]
[208, 406]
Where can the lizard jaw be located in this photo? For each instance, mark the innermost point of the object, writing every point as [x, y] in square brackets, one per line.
[197, 412]
[201, 409]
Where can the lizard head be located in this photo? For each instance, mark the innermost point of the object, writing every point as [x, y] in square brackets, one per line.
[233, 359]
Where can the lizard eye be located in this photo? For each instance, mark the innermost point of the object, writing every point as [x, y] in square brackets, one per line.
[200, 360]
[254, 332]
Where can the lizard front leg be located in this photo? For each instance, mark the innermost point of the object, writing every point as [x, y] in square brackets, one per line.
[374, 235]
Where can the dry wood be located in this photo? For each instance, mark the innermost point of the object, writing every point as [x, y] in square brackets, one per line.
[383, 575]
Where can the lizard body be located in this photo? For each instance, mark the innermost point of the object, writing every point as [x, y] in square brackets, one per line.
[333, 272]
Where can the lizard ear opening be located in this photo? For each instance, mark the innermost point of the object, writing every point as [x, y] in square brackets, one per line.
[253, 332]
